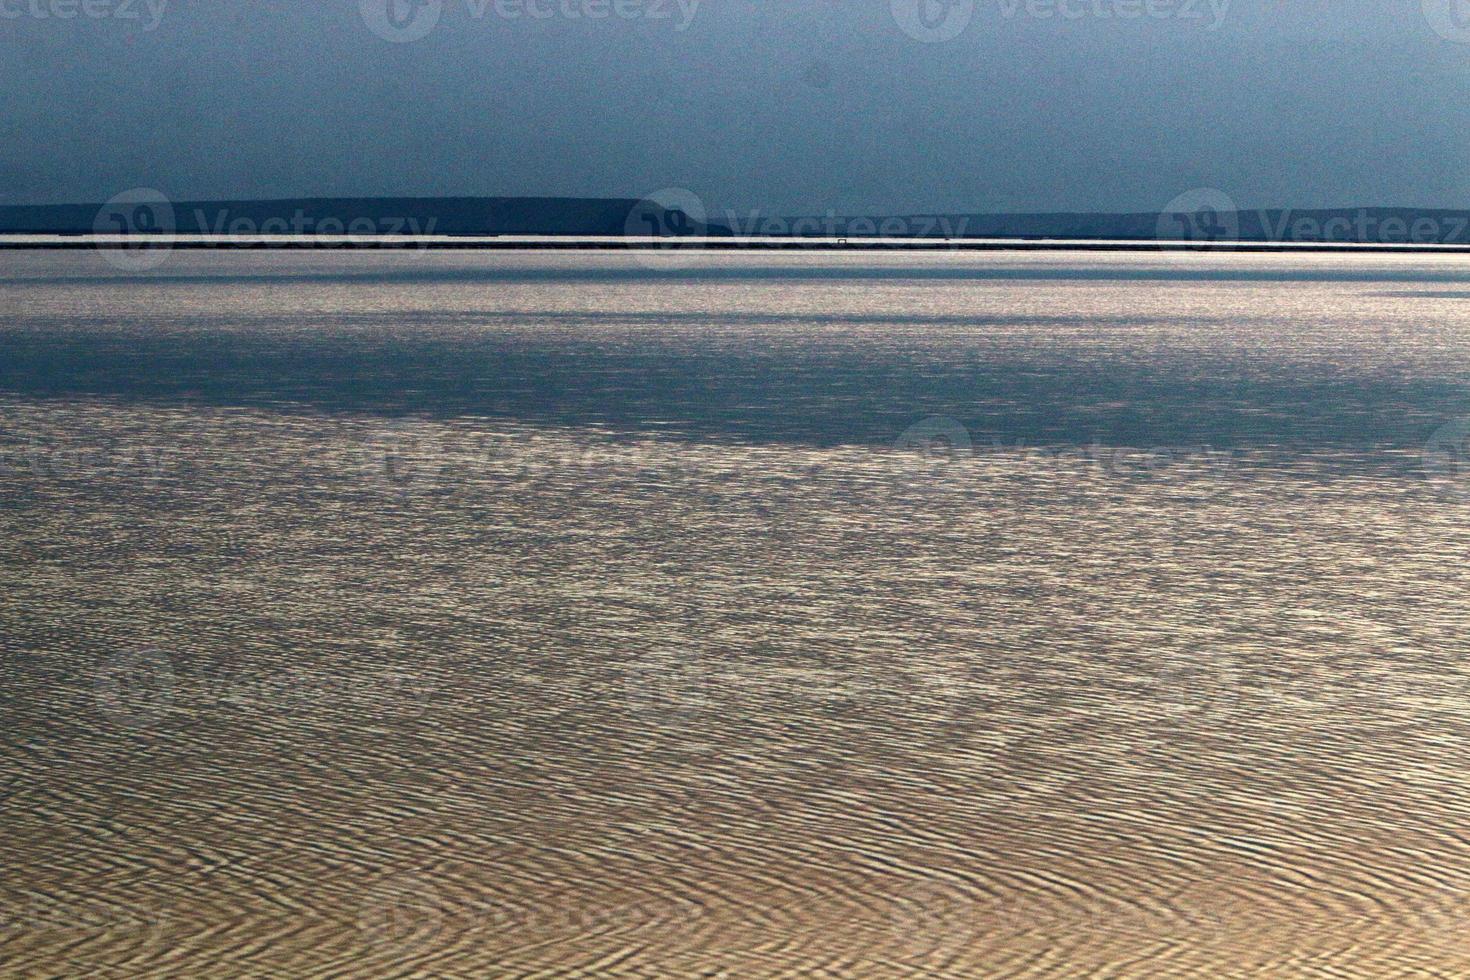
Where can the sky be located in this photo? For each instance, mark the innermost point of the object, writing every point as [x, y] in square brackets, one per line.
[792, 106]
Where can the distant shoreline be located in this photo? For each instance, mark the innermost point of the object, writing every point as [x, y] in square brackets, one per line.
[1198, 219]
[41, 242]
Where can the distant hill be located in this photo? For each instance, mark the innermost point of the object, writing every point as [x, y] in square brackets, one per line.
[604, 217]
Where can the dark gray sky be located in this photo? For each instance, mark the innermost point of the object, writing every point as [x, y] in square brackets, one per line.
[789, 105]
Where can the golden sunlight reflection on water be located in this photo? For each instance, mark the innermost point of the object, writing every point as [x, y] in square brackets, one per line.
[303, 690]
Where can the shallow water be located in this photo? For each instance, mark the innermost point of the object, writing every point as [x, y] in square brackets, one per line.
[515, 614]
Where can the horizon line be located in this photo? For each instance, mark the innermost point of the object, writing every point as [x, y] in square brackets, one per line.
[408, 242]
[801, 213]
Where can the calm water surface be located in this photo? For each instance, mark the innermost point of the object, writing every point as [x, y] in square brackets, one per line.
[524, 614]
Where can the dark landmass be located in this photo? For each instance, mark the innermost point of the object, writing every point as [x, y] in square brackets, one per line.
[1338, 225]
[324, 215]
[612, 217]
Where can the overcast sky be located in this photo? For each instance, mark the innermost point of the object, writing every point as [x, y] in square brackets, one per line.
[786, 105]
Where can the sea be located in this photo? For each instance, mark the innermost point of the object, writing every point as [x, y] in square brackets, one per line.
[719, 614]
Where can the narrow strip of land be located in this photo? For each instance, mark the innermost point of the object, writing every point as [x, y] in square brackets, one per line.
[572, 242]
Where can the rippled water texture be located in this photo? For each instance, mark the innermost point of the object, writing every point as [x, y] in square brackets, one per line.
[497, 614]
